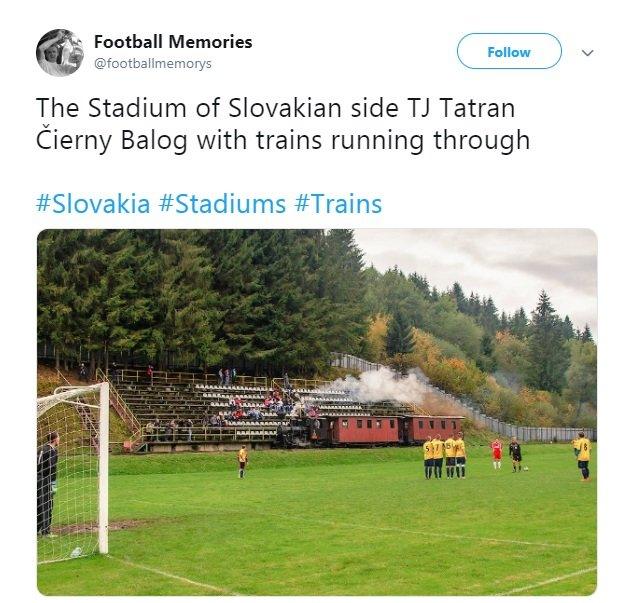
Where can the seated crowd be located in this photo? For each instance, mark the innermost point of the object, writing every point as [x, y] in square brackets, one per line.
[286, 404]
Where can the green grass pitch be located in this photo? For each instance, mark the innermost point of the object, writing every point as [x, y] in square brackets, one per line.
[341, 522]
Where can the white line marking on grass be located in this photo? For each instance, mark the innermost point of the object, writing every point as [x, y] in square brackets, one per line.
[154, 570]
[545, 582]
[436, 534]
[388, 529]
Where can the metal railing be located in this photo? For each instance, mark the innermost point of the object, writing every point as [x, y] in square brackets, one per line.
[177, 377]
[122, 409]
[210, 434]
[300, 383]
[348, 361]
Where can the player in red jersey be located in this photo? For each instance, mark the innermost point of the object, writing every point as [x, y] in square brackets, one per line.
[496, 449]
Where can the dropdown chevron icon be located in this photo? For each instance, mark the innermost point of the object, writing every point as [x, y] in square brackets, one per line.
[588, 53]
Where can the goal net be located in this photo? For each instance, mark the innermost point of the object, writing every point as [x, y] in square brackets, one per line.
[72, 473]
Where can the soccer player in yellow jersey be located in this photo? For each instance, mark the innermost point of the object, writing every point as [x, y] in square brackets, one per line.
[243, 458]
[584, 456]
[449, 451]
[459, 455]
[437, 455]
[429, 461]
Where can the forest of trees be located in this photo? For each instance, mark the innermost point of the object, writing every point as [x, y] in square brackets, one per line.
[535, 368]
[261, 300]
[272, 300]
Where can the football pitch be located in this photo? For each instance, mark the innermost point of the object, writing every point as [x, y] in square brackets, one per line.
[341, 522]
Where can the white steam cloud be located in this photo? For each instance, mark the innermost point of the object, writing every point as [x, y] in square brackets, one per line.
[383, 385]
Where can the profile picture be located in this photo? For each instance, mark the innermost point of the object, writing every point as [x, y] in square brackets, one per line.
[59, 52]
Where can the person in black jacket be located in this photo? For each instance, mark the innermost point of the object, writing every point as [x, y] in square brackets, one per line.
[514, 451]
[47, 458]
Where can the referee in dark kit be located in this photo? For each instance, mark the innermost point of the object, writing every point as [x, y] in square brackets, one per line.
[47, 457]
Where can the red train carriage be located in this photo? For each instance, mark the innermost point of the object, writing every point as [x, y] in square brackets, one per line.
[417, 428]
[364, 430]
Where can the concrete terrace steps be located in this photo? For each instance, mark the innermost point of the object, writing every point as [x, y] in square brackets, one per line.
[182, 401]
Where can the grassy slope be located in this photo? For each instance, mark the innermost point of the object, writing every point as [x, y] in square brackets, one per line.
[341, 522]
[47, 381]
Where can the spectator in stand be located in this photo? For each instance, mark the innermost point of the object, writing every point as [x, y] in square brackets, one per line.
[238, 414]
[286, 382]
[168, 432]
[232, 403]
[82, 374]
[267, 402]
[114, 372]
[220, 376]
[233, 375]
[173, 429]
[157, 429]
[149, 431]
[227, 377]
[189, 429]
[150, 373]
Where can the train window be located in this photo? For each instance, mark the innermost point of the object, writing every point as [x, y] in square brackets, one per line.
[453, 424]
[391, 423]
[420, 424]
[359, 423]
[369, 423]
[378, 424]
[432, 424]
[443, 425]
[344, 422]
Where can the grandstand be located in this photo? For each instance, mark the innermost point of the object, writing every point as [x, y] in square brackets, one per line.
[149, 403]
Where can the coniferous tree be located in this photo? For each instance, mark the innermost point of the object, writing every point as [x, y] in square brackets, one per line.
[459, 297]
[236, 279]
[547, 352]
[421, 283]
[487, 361]
[568, 330]
[56, 293]
[191, 318]
[586, 336]
[339, 285]
[519, 324]
[489, 319]
[399, 335]
[473, 305]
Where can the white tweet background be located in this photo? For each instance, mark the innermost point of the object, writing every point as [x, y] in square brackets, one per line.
[332, 51]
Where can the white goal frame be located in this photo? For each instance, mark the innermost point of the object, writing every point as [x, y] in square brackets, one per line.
[65, 394]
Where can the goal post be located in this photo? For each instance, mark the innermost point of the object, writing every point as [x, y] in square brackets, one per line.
[72, 472]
